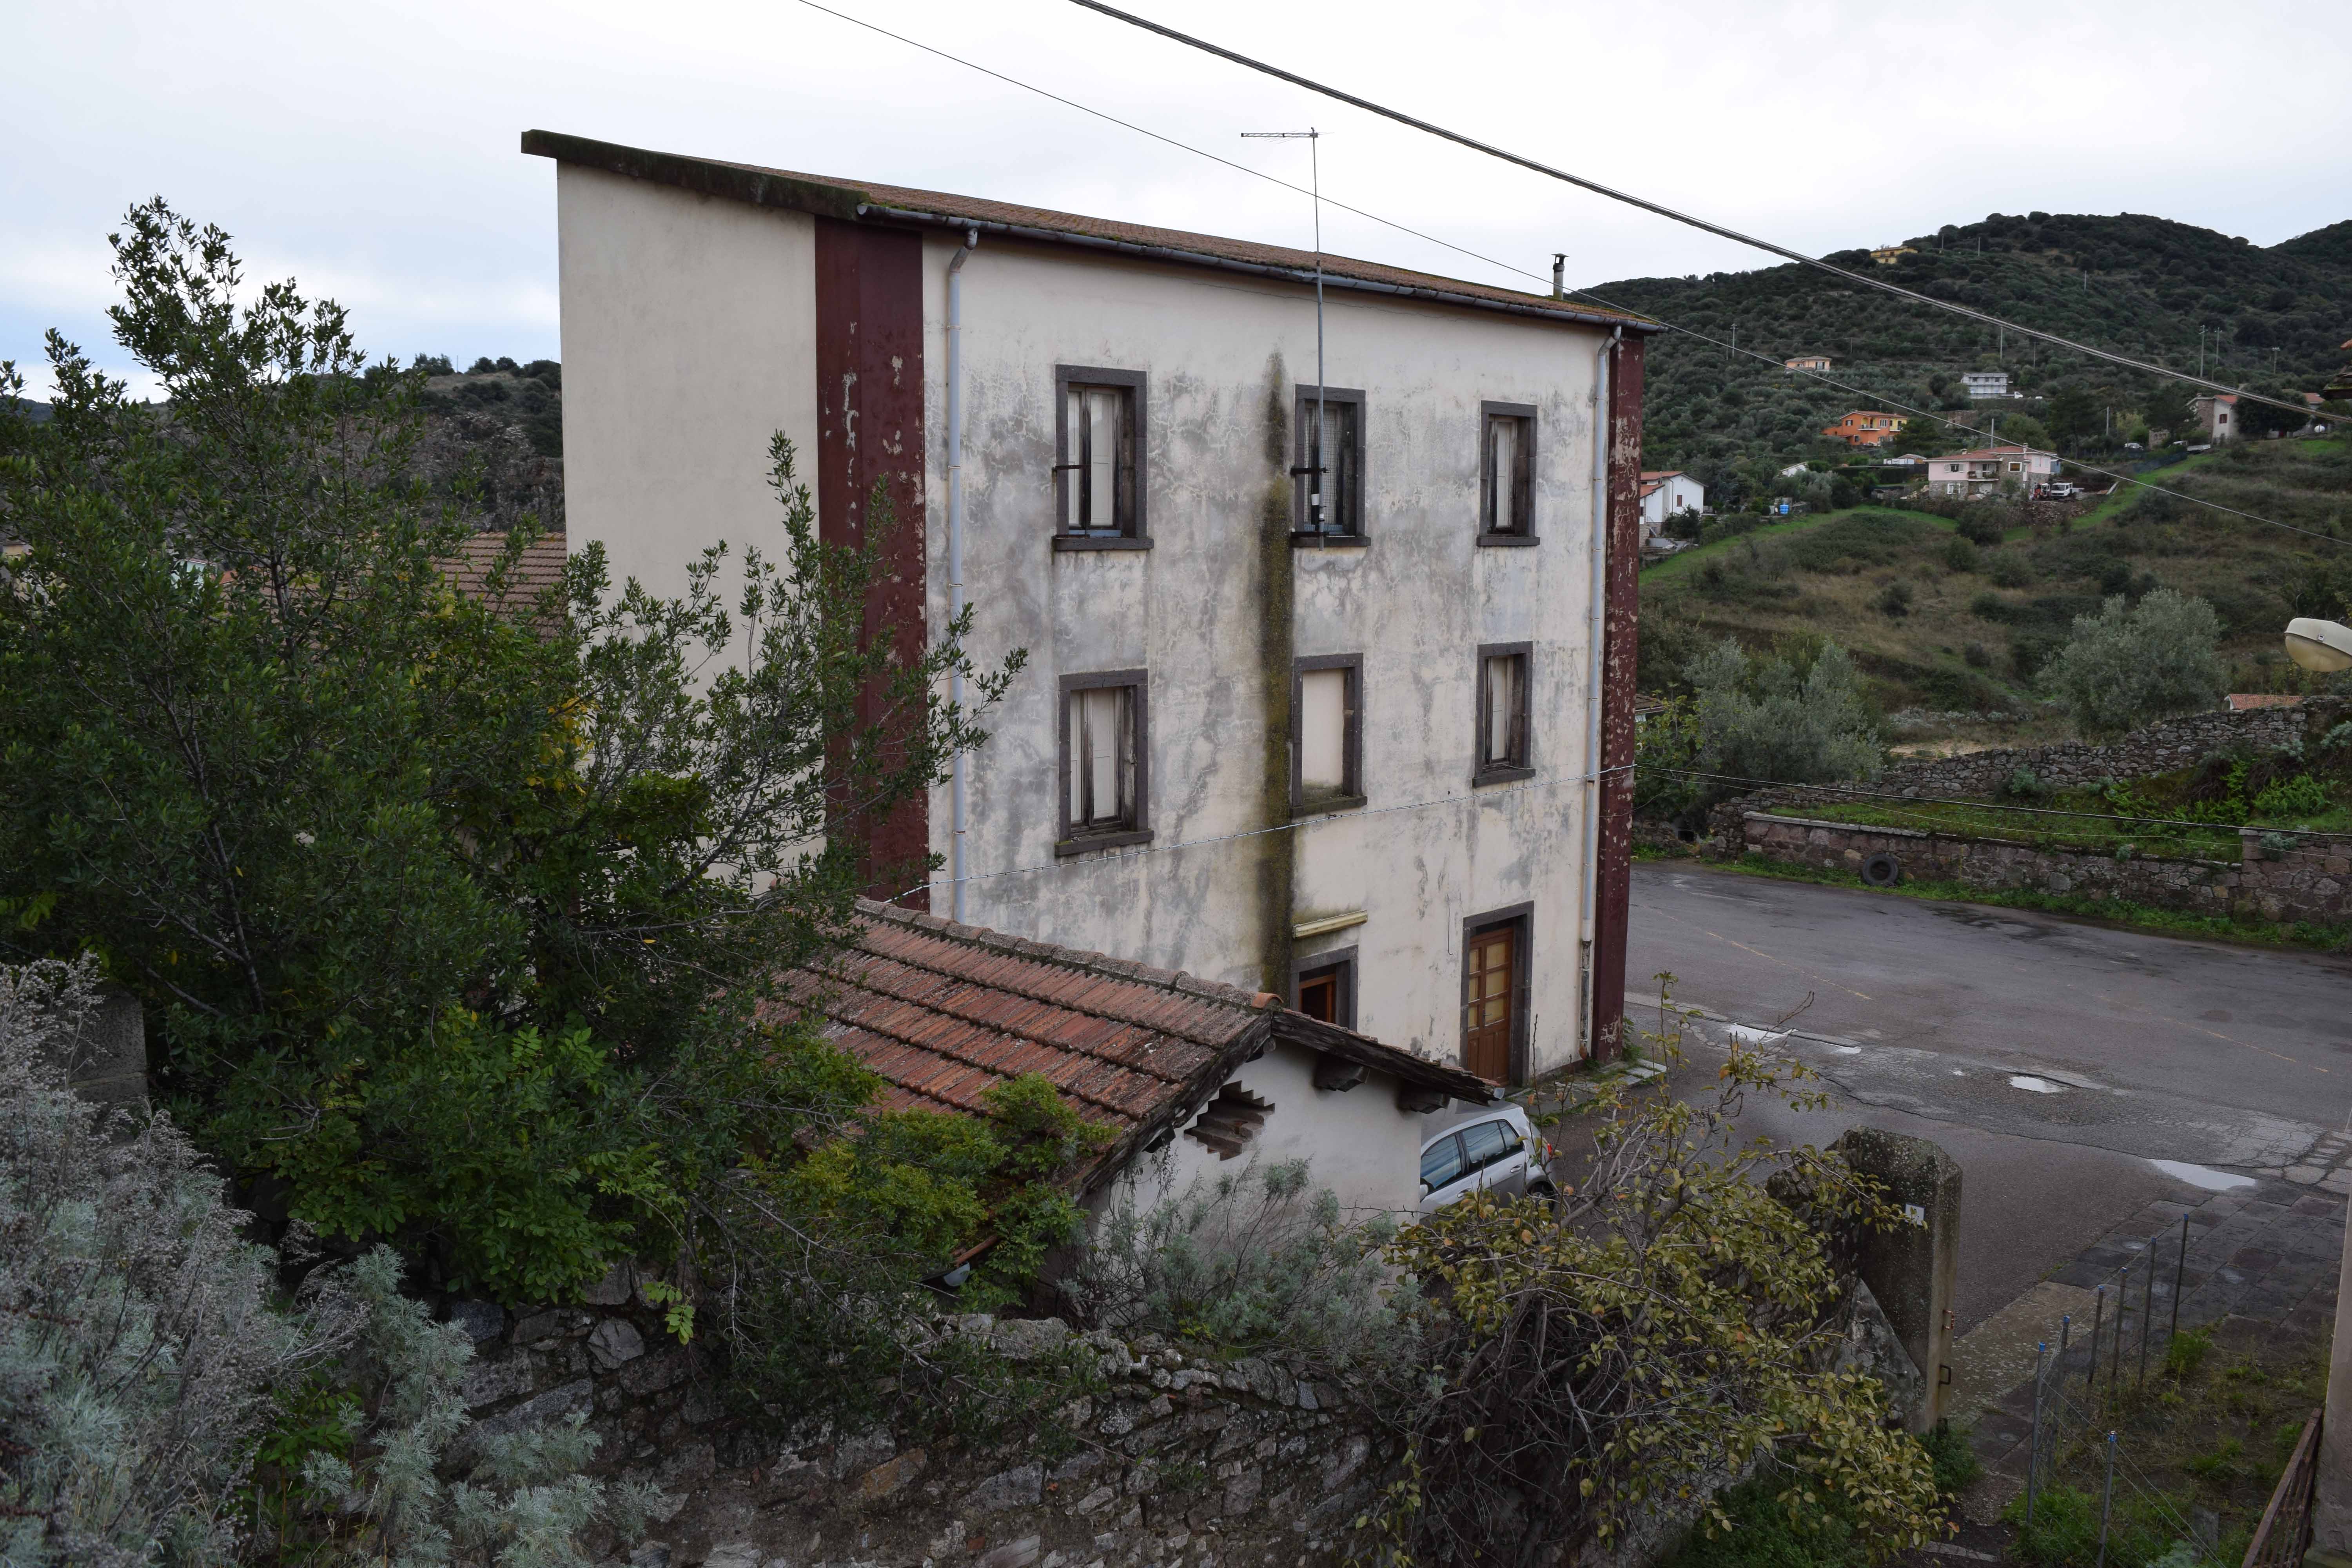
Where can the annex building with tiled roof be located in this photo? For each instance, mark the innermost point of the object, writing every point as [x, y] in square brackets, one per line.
[1186, 1070]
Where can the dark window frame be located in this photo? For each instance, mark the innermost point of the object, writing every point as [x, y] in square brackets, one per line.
[1351, 793]
[1521, 918]
[1524, 484]
[1072, 839]
[1137, 535]
[1482, 772]
[1342, 959]
[1303, 410]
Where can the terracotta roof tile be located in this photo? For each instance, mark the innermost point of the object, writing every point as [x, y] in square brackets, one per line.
[941, 1012]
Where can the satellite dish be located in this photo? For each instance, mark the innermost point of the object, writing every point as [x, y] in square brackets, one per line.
[2321, 646]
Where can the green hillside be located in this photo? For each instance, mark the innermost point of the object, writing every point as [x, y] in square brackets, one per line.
[1939, 624]
[2144, 286]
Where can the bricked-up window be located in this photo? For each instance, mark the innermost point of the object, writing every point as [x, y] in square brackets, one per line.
[1505, 750]
[1105, 771]
[1098, 480]
[1330, 470]
[1507, 473]
[1327, 733]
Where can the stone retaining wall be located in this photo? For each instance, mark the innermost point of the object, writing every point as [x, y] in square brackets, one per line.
[2312, 881]
[1177, 1461]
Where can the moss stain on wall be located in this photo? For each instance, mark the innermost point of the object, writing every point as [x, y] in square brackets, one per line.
[1277, 863]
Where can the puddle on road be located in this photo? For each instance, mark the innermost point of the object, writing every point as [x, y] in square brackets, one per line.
[2034, 1085]
[2204, 1176]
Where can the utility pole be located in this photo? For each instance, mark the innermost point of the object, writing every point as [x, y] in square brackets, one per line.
[1315, 467]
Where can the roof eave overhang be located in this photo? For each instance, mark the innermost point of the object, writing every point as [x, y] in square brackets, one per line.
[762, 187]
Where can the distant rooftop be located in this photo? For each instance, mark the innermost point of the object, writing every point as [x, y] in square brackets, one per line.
[866, 201]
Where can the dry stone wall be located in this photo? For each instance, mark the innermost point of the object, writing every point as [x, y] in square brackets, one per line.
[1175, 1461]
[2274, 877]
[2311, 881]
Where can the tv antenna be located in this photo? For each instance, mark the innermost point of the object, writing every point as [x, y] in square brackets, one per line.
[1314, 467]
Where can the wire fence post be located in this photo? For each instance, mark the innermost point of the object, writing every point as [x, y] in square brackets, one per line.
[2123, 1327]
[2147, 1317]
[2106, 1500]
[2033, 1444]
[2058, 1412]
[2179, 1284]
[2098, 1323]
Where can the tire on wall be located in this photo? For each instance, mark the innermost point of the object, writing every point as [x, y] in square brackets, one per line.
[1882, 871]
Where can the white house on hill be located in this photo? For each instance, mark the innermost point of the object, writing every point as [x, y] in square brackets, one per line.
[1329, 689]
[1668, 492]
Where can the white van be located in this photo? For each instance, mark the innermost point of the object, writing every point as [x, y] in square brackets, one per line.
[1496, 1149]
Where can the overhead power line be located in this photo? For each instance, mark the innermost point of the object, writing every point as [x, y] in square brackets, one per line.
[1673, 214]
[1478, 256]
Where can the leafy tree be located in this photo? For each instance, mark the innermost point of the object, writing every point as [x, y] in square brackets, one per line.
[1770, 719]
[454, 912]
[2168, 407]
[2130, 665]
[2021, 430]
[2075, 416]
[2256, 420]
[1589, 1366]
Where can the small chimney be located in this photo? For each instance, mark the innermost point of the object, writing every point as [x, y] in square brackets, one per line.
[1560, 275]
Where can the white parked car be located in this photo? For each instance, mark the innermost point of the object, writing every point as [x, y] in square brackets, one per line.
[1494, 1149]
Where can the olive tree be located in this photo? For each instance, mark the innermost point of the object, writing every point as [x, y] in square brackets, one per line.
[2130, 663]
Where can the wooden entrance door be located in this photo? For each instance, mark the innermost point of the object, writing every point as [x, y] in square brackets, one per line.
[1487, 1018]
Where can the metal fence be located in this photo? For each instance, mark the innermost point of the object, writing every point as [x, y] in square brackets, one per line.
[2286, 1530]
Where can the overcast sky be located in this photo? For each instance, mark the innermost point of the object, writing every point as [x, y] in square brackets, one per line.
[370, 151]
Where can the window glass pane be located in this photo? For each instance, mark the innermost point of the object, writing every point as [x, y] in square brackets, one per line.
[1503, 699]
[1101, 459]
[1502, 474]
[1441, 1163]
[1102, 762]
[1323, 729]
[1485, 1143]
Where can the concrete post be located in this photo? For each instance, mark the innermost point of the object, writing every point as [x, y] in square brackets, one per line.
[1913, 1271]
[2331, 1509]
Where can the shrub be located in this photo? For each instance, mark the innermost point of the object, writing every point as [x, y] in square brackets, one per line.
[2301, 795]
[1893, 601]
[1960, 556]
[142, 1353]
[2128, 664]
[150, 1364]
[1984, 525]
[1976, 656]
[1766, 719]
[1252, 1260]
[2009, 570]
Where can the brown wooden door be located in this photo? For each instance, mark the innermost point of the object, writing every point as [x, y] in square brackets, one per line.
[1486, 1009]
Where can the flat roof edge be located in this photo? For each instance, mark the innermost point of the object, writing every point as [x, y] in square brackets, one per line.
[760, 187]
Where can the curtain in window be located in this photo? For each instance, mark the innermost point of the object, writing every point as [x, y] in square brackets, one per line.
[1102, 756]
[1505, 700]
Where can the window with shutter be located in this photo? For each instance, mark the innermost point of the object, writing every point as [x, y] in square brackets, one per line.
[1099, 478]
[1105, 761]
[1506, 470]
[1328, 470]
[1504, 748]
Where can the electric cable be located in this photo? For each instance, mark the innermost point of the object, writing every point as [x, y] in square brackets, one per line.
[1511, 267]
[1492, 793]
[1662, 210]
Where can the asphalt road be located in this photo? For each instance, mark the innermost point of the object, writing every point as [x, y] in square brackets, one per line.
[2077, 1073]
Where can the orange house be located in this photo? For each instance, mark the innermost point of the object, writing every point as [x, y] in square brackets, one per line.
[1864, 427]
